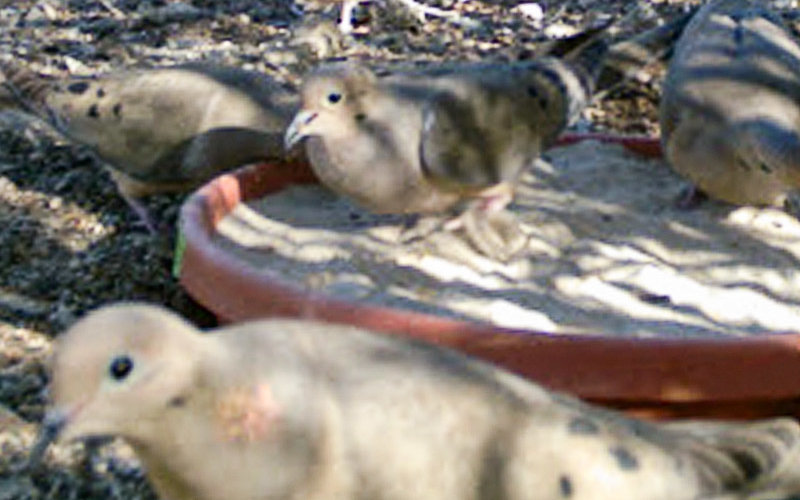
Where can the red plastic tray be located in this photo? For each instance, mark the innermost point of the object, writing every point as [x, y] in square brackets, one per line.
[657, 377]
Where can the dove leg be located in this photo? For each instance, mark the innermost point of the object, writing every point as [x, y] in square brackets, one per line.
[141, 212]
[489, 227]
[131, 190]
[491, 200]
[496, 234]
[420, 227]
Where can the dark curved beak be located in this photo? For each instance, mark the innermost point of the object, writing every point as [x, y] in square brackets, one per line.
[296, 130]
[53, 424]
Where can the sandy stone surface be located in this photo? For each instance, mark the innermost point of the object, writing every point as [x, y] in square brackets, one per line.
[609, 253]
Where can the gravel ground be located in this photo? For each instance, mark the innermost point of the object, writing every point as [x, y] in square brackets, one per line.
[68, 242]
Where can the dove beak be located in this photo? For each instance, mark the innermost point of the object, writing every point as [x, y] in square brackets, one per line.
[296, 130]
[54, 422]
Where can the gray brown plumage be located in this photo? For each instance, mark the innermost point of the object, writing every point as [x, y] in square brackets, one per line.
[163, 129]
[288, 409]
[731, 106]
[426, 141]
[652, 48]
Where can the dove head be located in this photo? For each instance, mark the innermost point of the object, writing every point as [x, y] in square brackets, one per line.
[117, 371]
[331, 100]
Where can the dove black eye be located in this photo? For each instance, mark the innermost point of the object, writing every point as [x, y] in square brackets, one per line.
[120, 367]
[334, 97]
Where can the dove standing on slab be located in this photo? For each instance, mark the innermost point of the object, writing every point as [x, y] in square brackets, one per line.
[288, 409]
[730, 113]
[426, 141]
[163, 129]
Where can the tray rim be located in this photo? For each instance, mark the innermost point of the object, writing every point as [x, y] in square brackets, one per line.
[732, 377]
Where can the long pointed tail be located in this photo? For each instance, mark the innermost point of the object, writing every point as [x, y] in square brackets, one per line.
[579, 60]
[21, 88]
[627, 58]
[591, 53]
[743, 459]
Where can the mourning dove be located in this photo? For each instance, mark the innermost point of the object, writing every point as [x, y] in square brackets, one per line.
[425, 141]
[731, 106]
[288, 409]
[164, 129]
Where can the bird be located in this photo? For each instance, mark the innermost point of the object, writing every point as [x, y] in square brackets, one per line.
[428, 140]
[290, 408]
[163, 129]
[730, 108]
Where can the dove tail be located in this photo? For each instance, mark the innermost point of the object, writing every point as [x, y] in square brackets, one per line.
[590, 56]
[627, 58]
[577, 62]
[744, 457]
[20, 87]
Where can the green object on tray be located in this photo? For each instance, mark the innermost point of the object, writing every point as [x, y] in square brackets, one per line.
[177, 255]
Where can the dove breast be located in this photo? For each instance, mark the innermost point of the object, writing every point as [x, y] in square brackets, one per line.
[730, 112]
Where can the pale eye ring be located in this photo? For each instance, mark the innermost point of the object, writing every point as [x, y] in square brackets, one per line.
[120, 367]
[334, 97]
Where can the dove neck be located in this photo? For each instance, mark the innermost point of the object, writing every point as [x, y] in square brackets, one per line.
[173, 445]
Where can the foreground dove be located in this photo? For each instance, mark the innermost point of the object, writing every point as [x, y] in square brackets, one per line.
[426, 141]
[730, 113]
[291, 409]
[165, 129]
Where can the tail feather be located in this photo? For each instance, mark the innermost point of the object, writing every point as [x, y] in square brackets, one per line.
[22, 88]
[582, 57]
[595, 44]
[627, 58]
[740, 457]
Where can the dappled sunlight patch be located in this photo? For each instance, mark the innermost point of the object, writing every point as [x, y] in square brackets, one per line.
[609, 252]
[81, 230]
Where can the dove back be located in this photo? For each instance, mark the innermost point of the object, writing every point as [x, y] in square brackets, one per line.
[730, 113]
